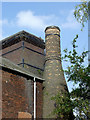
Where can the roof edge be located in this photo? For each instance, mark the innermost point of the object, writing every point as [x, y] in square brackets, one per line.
[34, 39]
[12, 66]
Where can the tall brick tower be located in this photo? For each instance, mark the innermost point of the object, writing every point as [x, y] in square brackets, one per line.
[53, 74]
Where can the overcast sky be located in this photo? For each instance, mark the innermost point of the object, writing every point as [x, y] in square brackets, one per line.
[34, 17]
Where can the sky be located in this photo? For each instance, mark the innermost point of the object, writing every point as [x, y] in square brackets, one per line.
[34, 17]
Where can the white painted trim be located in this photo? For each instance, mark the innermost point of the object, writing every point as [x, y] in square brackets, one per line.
[34, 98]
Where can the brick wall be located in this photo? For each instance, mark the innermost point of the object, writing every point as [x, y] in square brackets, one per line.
[15, 56]
[13, 95]
[38, 49]
[16, 96]
[34, 59]
[39, 99]
[30, 57]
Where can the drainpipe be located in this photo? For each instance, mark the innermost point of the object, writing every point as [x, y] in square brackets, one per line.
[34, 98]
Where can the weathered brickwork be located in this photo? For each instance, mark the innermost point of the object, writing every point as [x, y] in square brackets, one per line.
[16, 95]
[14, 56]
[27, 51]
[34, 59]
[33, 56]
[14, 46]
[20, 98]
[36, 48]
[53, 74]
[13, 95]
[39, 100]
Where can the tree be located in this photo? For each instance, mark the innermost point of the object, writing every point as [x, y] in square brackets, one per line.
[78, 99]
[81, 12]
[64, 106]
[80, 75]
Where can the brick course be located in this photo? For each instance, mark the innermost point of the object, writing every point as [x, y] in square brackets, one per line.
[14, 97]
[39, 99]
[53, 74]
[29, 57]
[15, 56]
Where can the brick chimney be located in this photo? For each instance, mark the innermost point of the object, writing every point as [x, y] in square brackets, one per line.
[53, 74]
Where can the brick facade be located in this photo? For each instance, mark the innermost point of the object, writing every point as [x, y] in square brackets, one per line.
[27, 51]
[28, 56]
[15, 97]
[12, 53]
[39, 99]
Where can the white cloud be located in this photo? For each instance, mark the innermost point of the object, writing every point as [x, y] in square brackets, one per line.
[71, 22]
[30, 20]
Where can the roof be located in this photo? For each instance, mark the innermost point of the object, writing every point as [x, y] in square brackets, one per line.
[12, 66]
[23, 35]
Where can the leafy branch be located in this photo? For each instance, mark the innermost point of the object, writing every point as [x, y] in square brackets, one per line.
[81, 12]
[78, 99]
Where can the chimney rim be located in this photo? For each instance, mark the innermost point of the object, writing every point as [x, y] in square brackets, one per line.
[52, 27]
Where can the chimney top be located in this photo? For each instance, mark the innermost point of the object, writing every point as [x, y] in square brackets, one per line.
[52, 27]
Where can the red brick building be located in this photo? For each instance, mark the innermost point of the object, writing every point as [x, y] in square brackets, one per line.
[24, 91]
[26, 50]
[17, 90]
[22, 63]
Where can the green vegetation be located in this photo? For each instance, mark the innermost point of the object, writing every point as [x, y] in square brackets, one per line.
[78, 99]
[81, 12]
[76, 72]
[40, 72]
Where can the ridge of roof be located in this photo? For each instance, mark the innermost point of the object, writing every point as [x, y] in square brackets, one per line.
[24, 34]
[11, 36]
[20, 32]
[12, 66]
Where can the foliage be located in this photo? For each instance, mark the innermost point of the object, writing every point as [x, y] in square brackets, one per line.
[81, 12]
[80, 74]
[77, 72]
[79, 96]
[79, 99]
[64, 106]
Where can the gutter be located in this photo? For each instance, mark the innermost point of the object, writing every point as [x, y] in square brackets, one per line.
[34, 98]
